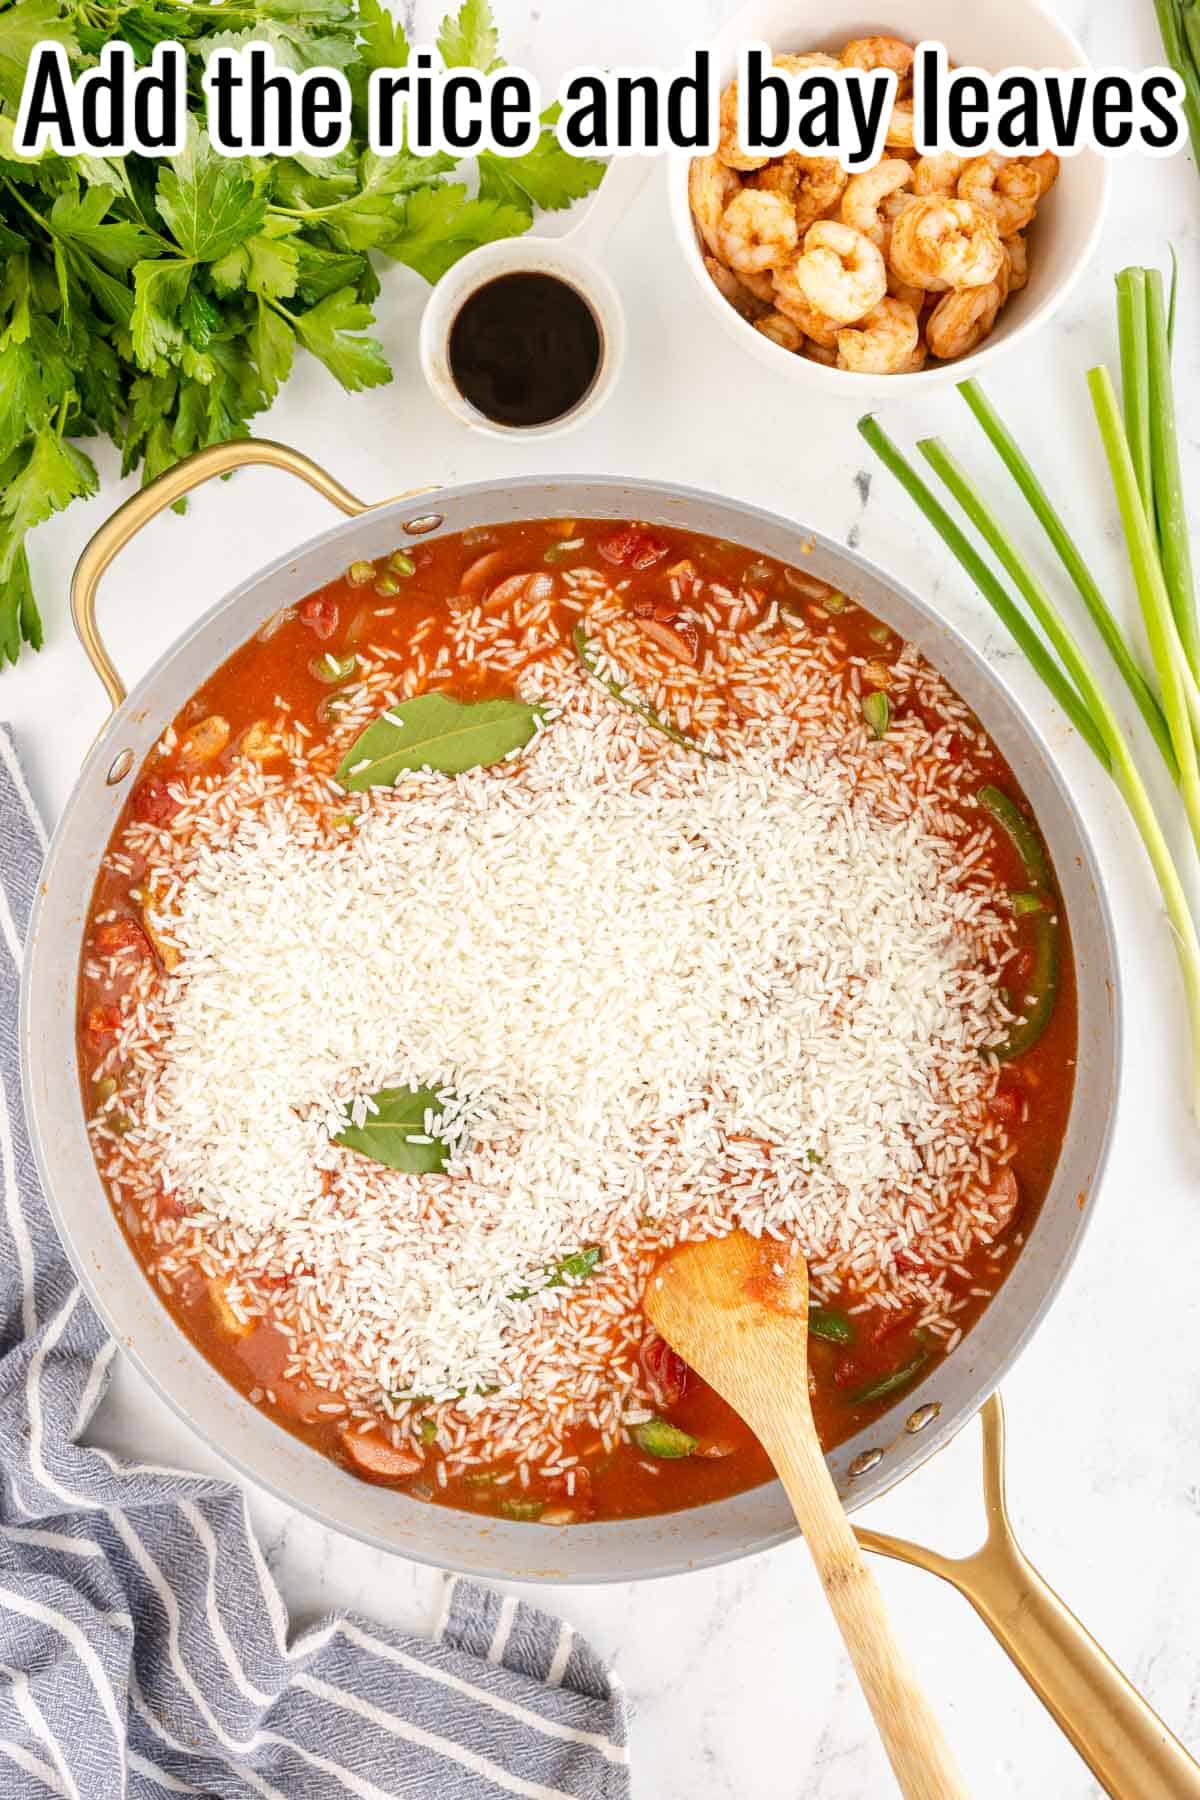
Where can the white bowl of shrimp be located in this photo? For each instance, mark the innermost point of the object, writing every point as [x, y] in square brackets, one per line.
[921, 269]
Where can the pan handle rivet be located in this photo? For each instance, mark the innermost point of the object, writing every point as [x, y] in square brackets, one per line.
[924, 1415]
[119, 767]
[426, 522]
[863, 1463]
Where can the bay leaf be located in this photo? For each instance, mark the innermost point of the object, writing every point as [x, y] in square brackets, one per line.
[387, 1136]
[574, 1268]
[433, 731]
[585, 651]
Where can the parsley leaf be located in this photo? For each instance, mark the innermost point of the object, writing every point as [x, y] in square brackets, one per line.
[32, 22]
[442, 223]
[271, 346]
[79, 219]
[545, 176]
[22, 400]
[382, 43]
[159, 289]
[54, 474]
[160, 301]
[331, 331]
[468, 39]
[207, 200]
[19, 617]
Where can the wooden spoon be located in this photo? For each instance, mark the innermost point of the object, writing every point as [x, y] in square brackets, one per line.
[736, 1310]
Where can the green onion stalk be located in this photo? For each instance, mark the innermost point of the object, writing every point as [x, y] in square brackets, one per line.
[1179, 28]
[1053, 651]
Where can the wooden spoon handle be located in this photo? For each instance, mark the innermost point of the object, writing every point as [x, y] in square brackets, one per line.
[920, 1757]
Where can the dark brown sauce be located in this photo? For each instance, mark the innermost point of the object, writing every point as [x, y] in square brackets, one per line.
[525, 349]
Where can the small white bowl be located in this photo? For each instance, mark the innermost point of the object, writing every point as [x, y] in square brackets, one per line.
[1017, 33]
[574, 259]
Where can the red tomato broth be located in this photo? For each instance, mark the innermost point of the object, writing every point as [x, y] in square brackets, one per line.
[344, 618]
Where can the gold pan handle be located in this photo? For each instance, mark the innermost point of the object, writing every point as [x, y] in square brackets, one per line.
[139, 509]
[1121, 1738]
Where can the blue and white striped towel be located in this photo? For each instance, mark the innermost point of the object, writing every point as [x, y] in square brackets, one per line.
[143, 1644]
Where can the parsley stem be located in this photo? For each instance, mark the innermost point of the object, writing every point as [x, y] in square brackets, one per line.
[20, 199]
[310, 212]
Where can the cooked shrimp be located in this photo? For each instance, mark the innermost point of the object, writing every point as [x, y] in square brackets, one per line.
[819, 353]
[734, 290]
[1003, 186]
[813, 184]
[840, 272]
[711, 186]
[780, 329]
[812, 59]
[762, 286]
[375, 1454]
[865, 194]
[1018, 262]
[936, 240]
[890, 208]
[1045, 167]
[882, 343]
[1002, 1200]
[260, 743]
[937, 174]
[960, 321]
[881, 53]
[900, 290]
[758, 231]
[888, 53]
[205, 740]
[901, 128]
[729, 148]
[794, 305]
[917, 360]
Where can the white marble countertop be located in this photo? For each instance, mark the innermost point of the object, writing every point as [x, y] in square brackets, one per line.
[739, 1686]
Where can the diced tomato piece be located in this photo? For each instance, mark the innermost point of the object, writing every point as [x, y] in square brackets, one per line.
[618, 545]
[103, 1021]
[1005, 1105]
[908, 1259]
[647, 551]
[170, 1206]
[680, 639]
[847, 1372]
[666, 1372]
[632, 548]
[889, 1323]
[955, 748]
[116, 935]
[682, 575]
[152, 801]
[320, 614]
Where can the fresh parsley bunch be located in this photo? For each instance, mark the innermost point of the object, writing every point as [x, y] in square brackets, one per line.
[161, 302]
